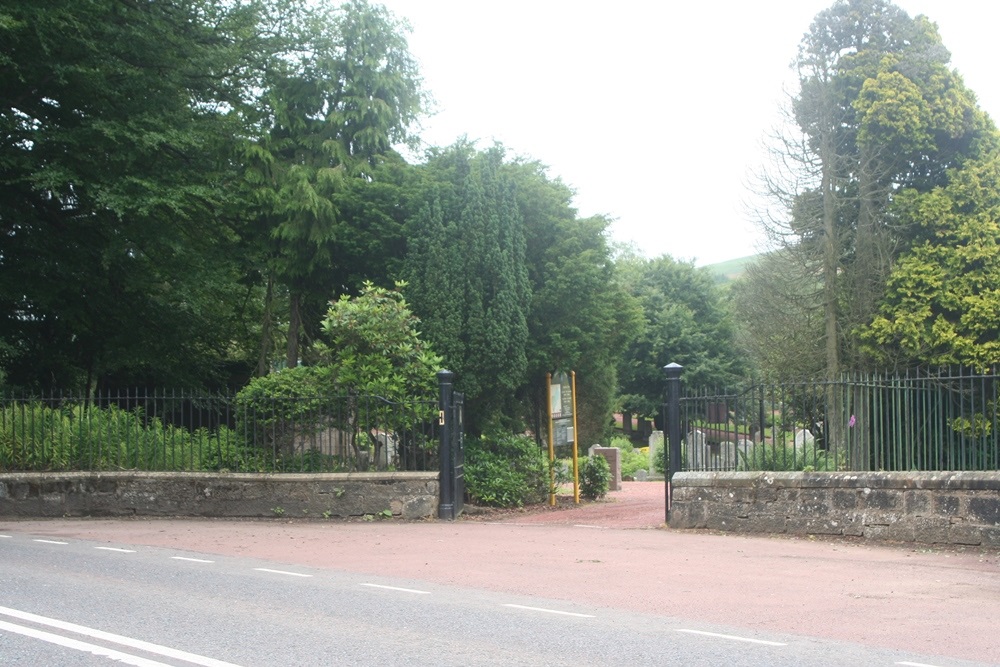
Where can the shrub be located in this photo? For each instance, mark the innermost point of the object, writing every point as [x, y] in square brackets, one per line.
[503, 470]
[622, 443]
[661, 457]
[633, 461]
[595, 477]
[36, 437]
[788, 458]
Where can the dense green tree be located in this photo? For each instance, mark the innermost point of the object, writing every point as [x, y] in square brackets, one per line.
[685, 321]
[777, 323]
[942, 306]
[333, 108]
[116, 132]
[374, 347]
[368, 372]
[580, 317]
[467, 278]
[878, 112]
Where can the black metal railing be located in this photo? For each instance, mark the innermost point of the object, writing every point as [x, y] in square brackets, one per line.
[945, 420]
[183, 431]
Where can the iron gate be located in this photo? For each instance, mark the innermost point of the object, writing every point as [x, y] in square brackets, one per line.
[452, 449]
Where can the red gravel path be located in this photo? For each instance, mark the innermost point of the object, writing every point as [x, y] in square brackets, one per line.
[938, 602]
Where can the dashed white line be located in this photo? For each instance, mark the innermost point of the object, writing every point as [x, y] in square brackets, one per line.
[290, 574]
[733, 637]
[916, 664]
[50, 542]
[192, 560]
[549, 611]
[583, 525]
[121, 551]
[7, 536]
[148, 647]
[397, 588]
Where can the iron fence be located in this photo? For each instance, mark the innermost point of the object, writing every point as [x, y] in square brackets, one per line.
[918, 421]
[182, 431]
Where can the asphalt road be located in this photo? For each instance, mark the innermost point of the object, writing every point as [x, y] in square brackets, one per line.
[77, 602]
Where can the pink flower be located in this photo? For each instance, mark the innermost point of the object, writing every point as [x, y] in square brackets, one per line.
[851, 422]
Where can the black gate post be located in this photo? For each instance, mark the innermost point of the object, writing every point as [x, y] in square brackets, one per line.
[673, 373]
[446, 480]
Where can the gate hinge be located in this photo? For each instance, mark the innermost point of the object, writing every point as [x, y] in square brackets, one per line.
[441, 417]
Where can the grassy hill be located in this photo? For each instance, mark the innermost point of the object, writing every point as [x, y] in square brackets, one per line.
[731, 269]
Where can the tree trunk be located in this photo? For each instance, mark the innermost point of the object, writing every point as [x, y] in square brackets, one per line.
[263, 363]
[294, 328]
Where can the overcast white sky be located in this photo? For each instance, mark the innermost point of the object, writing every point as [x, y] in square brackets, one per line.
[654, 113]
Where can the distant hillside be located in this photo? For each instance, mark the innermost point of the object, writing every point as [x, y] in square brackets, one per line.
[730, 269]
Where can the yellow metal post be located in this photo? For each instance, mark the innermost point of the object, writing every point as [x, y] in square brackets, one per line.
[552, 445]
[576, 439]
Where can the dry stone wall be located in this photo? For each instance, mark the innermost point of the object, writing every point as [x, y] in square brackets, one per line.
[927, 508]
[410, 495]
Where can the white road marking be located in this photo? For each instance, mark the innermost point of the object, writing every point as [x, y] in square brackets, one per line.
[290, 574]
[50, 542]
[916, 664]
[121, 551]
[583, 525]
[107, 637]
[7, 536]
[93, 649]
[192, 560]
[396, 588]
[549, 611]
[733, 637]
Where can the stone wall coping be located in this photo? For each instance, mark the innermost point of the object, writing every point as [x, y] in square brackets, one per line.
[972, 481]
[224, 476]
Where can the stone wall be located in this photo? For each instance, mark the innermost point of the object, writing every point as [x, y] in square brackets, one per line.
[928, 508]
[410, 495]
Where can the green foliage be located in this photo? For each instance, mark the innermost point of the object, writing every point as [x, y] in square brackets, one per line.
[36, 437]
[468, 282]
[580, 316]
[788, 458]
[661, 457]
[942, 304]
[882, 118]
[685, 321]
[375, 362]
[116, 139]
[632, 460]
[348, 92]
[272, 410]
[375, 348]
[503, 470]
[595, 477]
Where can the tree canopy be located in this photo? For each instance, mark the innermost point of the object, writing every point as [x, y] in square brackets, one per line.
[187, 185]
[879, 116]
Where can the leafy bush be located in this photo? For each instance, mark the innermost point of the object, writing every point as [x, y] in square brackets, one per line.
[271, 411]
[661, 457]
[37, 437]
[788, 458]
[503, 470]
[633, 461]
[595, 477]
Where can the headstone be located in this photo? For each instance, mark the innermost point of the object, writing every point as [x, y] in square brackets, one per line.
[697, 450]
[655, 444]
[613, 456]
[803, 438]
